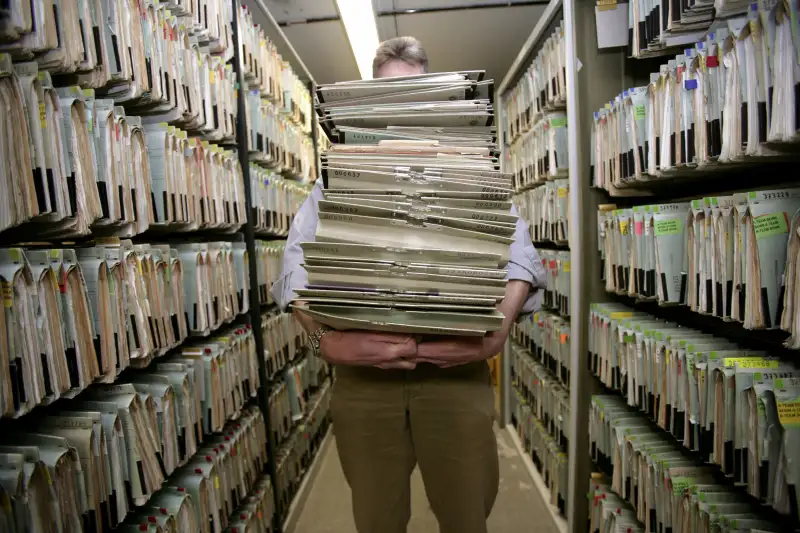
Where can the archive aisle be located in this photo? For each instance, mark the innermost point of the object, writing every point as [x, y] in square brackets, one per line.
[154, 155]
[660, 379]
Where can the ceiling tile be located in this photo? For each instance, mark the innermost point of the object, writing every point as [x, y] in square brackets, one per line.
[402, 5]
[298, 10]
[325, 50]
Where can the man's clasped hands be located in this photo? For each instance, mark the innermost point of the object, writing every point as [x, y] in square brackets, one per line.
[403, 351]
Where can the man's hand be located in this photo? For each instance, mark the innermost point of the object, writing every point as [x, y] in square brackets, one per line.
[365, 348]
[453, 351]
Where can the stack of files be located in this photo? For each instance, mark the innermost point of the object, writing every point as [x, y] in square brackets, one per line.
[302, 378]
[154, 60]
[284, 338]
[541, 89]
[557, 268]
[706, 391]
[658, 27]
[225, 475]
[47, 331]
[666, 486]
[274, 140]
[548, 457]
[270, 265]
[645, 251]
[315, 425]
[276, 201]
[194, 185]
[727, 256]
[547, 398]
[790, 319]
[546, 337]
[446, 136]
[295, 455]
[215, 284]
[609, 512]
[256, 511]
[605, 268]
[89, 166]
[266, 71]
[280, 412]
[727, 99]
[546, 210]
[541, 153]
[449, 99]
[124, 439]
[52, 180]
[426, 255]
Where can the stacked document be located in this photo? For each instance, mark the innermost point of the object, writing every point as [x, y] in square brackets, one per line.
[731, 256]
[294, 456]
[540, 413]
[413, 233]
[734, 406]
[546, 337]
[729, 98]
[669, 489]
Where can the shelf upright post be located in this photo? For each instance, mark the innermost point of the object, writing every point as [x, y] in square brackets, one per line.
[579, 469]
[252, 263]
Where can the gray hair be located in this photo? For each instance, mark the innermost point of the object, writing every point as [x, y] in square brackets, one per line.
[407, 49]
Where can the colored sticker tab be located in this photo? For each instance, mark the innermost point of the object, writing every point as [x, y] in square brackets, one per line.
[668, 227]
[558, 122]
[639, 112]
[770, 225]
[789, 413]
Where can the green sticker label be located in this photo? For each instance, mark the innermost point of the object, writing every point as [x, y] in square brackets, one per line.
[770, 225]
[668, 227]
[639, 112]
[558, 122]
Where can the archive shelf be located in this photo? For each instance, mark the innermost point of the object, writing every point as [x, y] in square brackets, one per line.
[709, 180]
[215, 223]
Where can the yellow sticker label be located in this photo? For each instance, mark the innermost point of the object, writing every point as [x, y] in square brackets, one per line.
[213, 76]
[43, 115]
[623, 227]
[789, 413]
[562, 192]
[750, 362]
[567, 266]
[216, 482]
[621, 314]
[8, 293]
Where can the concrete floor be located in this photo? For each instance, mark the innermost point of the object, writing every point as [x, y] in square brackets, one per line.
[519, 507]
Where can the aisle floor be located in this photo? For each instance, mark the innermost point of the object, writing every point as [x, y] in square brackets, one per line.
[519, 507]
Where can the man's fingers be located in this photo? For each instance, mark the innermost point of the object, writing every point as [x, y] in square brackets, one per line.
[400, 351]
[391, 338]
[398, 365]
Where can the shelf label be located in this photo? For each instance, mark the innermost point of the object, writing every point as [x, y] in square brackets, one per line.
[770, 225]
[668, 227]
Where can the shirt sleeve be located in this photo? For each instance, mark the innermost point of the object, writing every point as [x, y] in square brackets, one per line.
[304, 229]
[525, 265]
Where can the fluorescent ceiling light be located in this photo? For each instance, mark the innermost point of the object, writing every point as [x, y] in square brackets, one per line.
[362, 32]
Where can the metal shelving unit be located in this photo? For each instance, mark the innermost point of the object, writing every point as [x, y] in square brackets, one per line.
[592, 77]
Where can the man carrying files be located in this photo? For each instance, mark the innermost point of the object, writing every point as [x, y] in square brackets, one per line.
[402, 399]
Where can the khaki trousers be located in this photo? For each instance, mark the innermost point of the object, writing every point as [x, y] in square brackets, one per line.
[387, 421]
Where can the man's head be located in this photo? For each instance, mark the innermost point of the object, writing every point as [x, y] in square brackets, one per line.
[401, 56]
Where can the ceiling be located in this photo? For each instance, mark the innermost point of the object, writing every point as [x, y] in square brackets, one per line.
[457, 34]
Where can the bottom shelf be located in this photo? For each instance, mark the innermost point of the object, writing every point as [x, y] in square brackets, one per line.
[538, 482]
